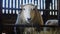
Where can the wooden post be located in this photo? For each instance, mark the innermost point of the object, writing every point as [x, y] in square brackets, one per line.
[58, 12]
[1, 16]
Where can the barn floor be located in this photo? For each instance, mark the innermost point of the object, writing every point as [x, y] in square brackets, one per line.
[51, 31]
[46, 32]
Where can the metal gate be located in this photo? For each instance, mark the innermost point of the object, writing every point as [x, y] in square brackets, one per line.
[11, 8]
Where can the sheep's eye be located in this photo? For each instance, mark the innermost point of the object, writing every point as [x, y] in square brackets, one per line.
[34, 9]
[23, 9]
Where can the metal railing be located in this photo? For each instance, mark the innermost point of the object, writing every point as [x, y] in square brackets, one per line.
[13, 6]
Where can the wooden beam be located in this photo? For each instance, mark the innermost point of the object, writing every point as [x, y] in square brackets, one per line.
[58, 12]
[1, 28]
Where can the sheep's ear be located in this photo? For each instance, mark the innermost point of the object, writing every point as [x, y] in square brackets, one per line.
[21, 6]
[36, 6]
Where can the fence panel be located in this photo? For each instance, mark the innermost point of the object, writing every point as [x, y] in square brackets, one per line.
[13, 6]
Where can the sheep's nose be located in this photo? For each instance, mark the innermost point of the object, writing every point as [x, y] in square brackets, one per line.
[29, 19]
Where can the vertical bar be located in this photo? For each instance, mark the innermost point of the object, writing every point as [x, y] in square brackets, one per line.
[9, 11]
[38, 4]
[54, 6]
[53, 13]
[23, 2]
[44, 4]
[41, 5]
[32, 1]
[10, 3]
[8, 6]
[14, 3]
[51, 8]
[7, 3]
[18, 5]
[6, 11]
[50, 13]
[3, 11]
[14, 11]
[3, 3]
[56, 13]
[26, 1]
[57, 4]
[12, 7]
[35, 2]
[5, 7]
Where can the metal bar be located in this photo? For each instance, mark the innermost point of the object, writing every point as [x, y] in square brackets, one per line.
[21, 1]
[43, 3]
[51, 6]
[8, 5]
[15, 5]
[18, 4]
[40, 4]
[38, 9]
[54, 6]
[28, 1]
[12, 7]
[34, 2]
[28, 25]
[5, 7]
